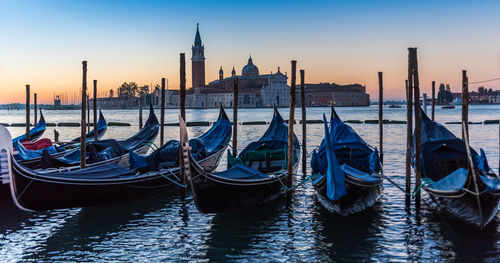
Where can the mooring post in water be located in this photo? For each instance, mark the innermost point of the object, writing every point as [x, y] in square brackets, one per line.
[409, 131]
[35, 109]
[88, 113]
[182, 72]
[418, 120]
[82, 120]
[27, 112]
[56, 136]
[433, 99]
[291, 120]
[96, 133]
[140, 113]
[381, 116]
[304, 122]
[183, 85]
[424, 102]
[235, 116]
[465, 103]
[162, 111]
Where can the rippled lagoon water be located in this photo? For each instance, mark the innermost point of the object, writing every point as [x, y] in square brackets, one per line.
[169, 228]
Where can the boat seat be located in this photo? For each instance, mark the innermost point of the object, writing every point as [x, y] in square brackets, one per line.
[359, 175]
[453, 182]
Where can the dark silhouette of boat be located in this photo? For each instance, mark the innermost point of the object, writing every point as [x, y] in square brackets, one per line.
[347, 170]
[458, 184]
[255, 177]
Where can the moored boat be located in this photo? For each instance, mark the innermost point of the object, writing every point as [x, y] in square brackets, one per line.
[256, 176]
[346, 170]
[36, 132]
[100, 184]
[97, 152]
[464, 189]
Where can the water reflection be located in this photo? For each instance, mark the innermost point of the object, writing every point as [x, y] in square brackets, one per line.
[235, 234]
[346, 238]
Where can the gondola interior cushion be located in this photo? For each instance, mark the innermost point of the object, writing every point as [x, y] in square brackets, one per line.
[25, 154]
[240, 171]
[168, 154]
[452, 182]
[359, 175]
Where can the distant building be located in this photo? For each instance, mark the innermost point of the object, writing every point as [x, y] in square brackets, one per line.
[257, 90]
[198, 61]
[57, 103]
[323, 94]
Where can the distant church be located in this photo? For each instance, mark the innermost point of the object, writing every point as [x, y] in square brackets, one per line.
[255, 89]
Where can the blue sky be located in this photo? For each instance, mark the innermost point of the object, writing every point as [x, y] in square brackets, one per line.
[44, 42]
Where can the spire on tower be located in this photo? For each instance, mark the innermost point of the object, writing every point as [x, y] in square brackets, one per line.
[233, 72]
[197, 38]
[221, 73]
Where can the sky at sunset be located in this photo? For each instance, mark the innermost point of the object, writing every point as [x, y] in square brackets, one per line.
[42, 43]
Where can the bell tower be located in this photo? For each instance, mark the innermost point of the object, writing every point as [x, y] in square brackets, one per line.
[198, 61]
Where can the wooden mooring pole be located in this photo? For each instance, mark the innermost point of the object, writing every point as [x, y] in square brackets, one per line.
[182, 71]
[414, 82]
[35, 109]
[433, 109]
[162, 111]
[88, 113]
[27, 112]
[465, 103]
[304, 122]
[96, 132]
[82, 120]
[409, 131]
[291, 120]
[140, 113]
[381, 116]
[235, 116]
[183, 85]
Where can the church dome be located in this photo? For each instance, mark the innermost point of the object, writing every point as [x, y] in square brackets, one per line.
[250, 69]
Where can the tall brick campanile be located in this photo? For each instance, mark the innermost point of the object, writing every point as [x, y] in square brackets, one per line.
[198, 61]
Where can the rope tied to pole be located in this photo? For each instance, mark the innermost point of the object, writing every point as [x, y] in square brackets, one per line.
[303, 181]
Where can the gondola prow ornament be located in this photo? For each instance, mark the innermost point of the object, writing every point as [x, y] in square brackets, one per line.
[5, 154]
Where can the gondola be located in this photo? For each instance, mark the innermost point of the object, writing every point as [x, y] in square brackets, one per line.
[102, 127]
[98, 153]
[97, 185]
[346, 170]
[36, 132]
[450, 185]
[256, 176]
[104, 150]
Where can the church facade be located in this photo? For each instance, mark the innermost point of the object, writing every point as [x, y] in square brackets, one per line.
[254, 89]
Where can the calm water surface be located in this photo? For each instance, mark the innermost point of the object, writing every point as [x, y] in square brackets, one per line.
[166, 227]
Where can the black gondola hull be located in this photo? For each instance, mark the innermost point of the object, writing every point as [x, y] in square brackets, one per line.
[357, 198]
[465, 208]
[213, 196]
[38, 193]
